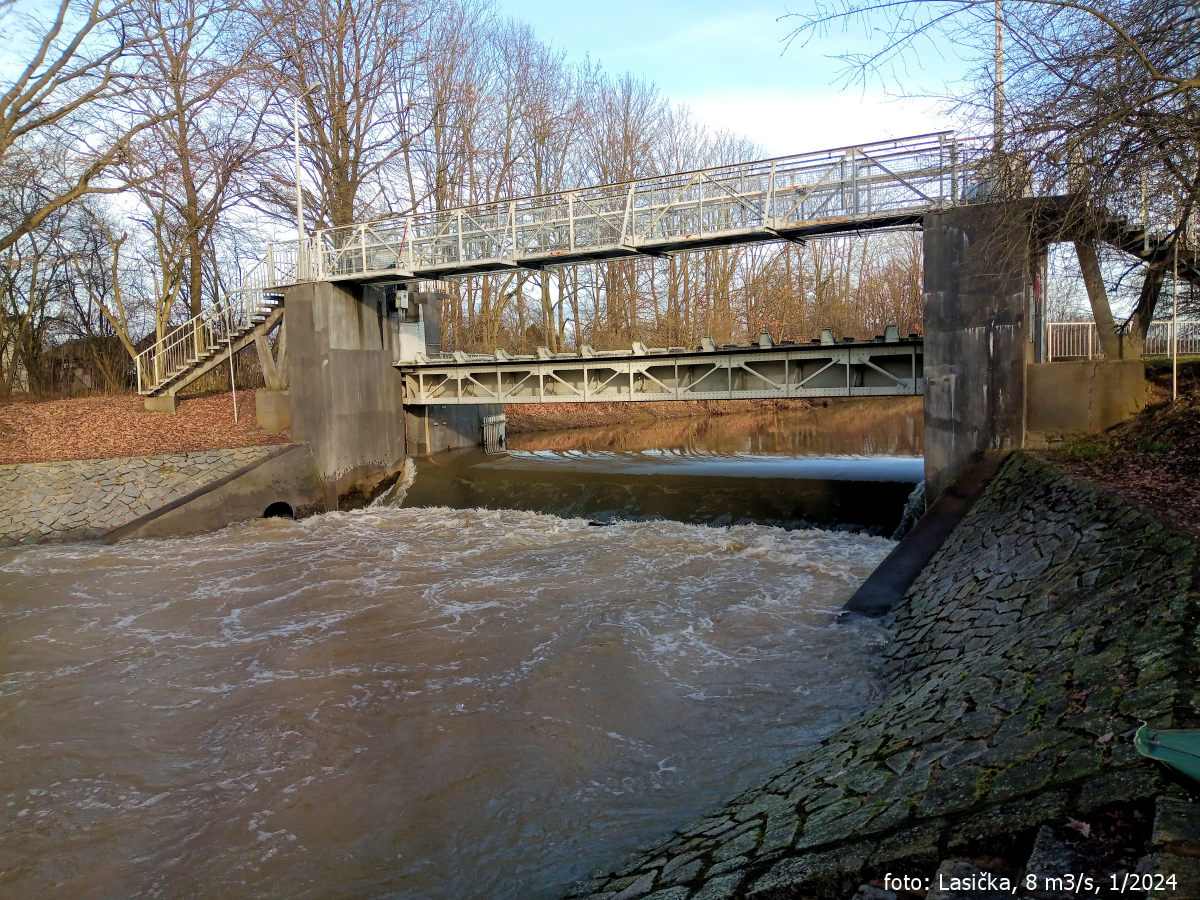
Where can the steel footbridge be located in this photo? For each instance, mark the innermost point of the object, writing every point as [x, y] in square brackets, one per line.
[790, 198]
[851, 189]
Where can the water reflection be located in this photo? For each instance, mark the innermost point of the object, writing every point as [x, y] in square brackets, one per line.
[874, 427]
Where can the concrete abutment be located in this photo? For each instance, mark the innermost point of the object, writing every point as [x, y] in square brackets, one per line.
[978, 295]
[984, 391]
[346, 397]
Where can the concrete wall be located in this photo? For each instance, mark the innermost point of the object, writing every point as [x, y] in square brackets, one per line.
[345, 392]
[286, 476]
[1069, 399]
[433, 429]
[977, 345]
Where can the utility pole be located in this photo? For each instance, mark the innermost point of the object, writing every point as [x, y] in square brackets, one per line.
[998, 99]
[300, 260]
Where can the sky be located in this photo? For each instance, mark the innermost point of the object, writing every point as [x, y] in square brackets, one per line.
[726, 60]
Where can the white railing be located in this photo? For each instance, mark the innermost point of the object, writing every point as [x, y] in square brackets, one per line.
[1072, 340]
[831, 188]
[184, 345]
[1080, 340]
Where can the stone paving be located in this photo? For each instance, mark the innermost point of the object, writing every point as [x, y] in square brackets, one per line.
[1023, 657]
[80, 499]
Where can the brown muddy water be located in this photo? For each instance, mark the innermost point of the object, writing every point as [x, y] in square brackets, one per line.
[416, 702]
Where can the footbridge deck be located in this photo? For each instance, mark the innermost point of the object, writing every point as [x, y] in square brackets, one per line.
[870, 186]
[888, 366]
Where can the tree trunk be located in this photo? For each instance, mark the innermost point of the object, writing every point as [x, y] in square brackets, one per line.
[1110, 345]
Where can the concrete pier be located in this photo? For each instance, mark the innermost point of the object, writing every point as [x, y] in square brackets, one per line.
[346, 397]
[978, 293]
[345, 394]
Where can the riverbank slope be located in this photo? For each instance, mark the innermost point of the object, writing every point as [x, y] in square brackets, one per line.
[1055, 618]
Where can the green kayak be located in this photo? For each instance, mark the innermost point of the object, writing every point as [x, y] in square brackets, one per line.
[1178, 749]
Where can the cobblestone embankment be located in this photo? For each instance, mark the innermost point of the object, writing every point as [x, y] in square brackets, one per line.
[85, 498]
[1050, 623]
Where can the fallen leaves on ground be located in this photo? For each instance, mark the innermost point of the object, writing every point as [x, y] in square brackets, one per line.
[97, 427]
[1153, 460]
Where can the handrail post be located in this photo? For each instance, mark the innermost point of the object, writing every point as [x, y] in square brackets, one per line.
[512, 220]
[955, 197]
[854, 177]
[628, 217]
[769, 212]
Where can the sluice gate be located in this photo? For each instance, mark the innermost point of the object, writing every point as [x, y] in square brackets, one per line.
[885, 367]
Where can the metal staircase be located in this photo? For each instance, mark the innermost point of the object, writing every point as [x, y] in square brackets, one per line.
[199, 345]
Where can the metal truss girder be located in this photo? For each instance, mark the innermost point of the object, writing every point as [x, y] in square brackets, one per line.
[839, 370]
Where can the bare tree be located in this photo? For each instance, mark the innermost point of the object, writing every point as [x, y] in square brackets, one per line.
[1100, 101]
[190, 169]
[65, 112]
[339, 60]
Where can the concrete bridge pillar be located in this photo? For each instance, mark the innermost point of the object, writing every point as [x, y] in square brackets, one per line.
[345, 393]
[979, 295]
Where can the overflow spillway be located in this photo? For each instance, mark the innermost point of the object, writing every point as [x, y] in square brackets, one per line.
[847, 492]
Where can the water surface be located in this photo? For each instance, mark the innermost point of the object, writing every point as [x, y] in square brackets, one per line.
[434, 702]
[424, 703]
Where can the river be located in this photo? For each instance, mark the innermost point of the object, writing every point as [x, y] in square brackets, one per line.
[411, 701]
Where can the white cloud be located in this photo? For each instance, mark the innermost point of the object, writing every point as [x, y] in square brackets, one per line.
[787, 122]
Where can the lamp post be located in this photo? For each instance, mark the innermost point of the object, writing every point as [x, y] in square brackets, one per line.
[299, 192]
[998, 96]
[301, 250]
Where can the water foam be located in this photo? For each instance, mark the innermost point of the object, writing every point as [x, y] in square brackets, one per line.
[479, 669]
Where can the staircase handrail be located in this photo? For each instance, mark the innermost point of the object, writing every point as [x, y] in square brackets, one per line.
[183, 345]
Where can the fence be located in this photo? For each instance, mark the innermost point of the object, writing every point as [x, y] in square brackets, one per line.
[1080, 340]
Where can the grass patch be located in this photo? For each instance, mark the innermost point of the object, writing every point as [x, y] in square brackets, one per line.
[1087, 448]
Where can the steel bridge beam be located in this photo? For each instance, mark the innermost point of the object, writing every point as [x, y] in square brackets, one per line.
[879, 368]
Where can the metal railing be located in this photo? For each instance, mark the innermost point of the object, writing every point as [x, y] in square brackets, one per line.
[1081, 340]
[839, 189]
[181, 347]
